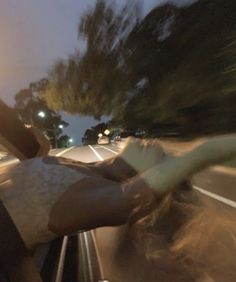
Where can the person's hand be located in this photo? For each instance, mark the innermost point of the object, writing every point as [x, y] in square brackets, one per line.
[168, 174]
[138, 156]
[142, 154]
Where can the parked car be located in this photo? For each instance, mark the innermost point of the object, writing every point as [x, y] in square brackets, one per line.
[104, 140]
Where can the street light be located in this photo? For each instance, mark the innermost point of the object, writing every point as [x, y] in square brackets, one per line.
[41, 114]
[71, 140]
[100, 135]
[60, 126]
[107, 132]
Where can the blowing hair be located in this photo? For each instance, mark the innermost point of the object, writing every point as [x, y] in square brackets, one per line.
[198, 233]
[184, 226]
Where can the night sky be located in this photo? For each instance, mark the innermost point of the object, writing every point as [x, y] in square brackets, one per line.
[35, 33]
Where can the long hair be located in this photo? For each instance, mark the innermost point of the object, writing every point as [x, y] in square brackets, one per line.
[186, 227]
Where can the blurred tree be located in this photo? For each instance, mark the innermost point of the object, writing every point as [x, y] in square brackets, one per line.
[91, 134]
[63, 141]
[173, 69]
[182, 78]
[94, 83]
[34, 112]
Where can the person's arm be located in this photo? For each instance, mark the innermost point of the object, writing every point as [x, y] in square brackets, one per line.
[115, 169]
[91, 202]
[94, 202]
[165, 176]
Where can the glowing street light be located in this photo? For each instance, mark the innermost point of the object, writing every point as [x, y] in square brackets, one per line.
[60, 126]
[100, 135]
[41, 114]
[71, 140]
[107, 132]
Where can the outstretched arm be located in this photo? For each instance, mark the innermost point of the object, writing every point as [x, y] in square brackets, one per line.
[94, 202]
[166, 176]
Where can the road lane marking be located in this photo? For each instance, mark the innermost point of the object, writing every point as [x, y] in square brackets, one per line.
[64, 151]
[96, 153]
[62, 258]
[216, 197]
[116, 153]
[88, 253]
[98, 254]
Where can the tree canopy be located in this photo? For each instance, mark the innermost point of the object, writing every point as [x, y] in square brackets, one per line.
[34, 112]
[174, 68]
[91, 134]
